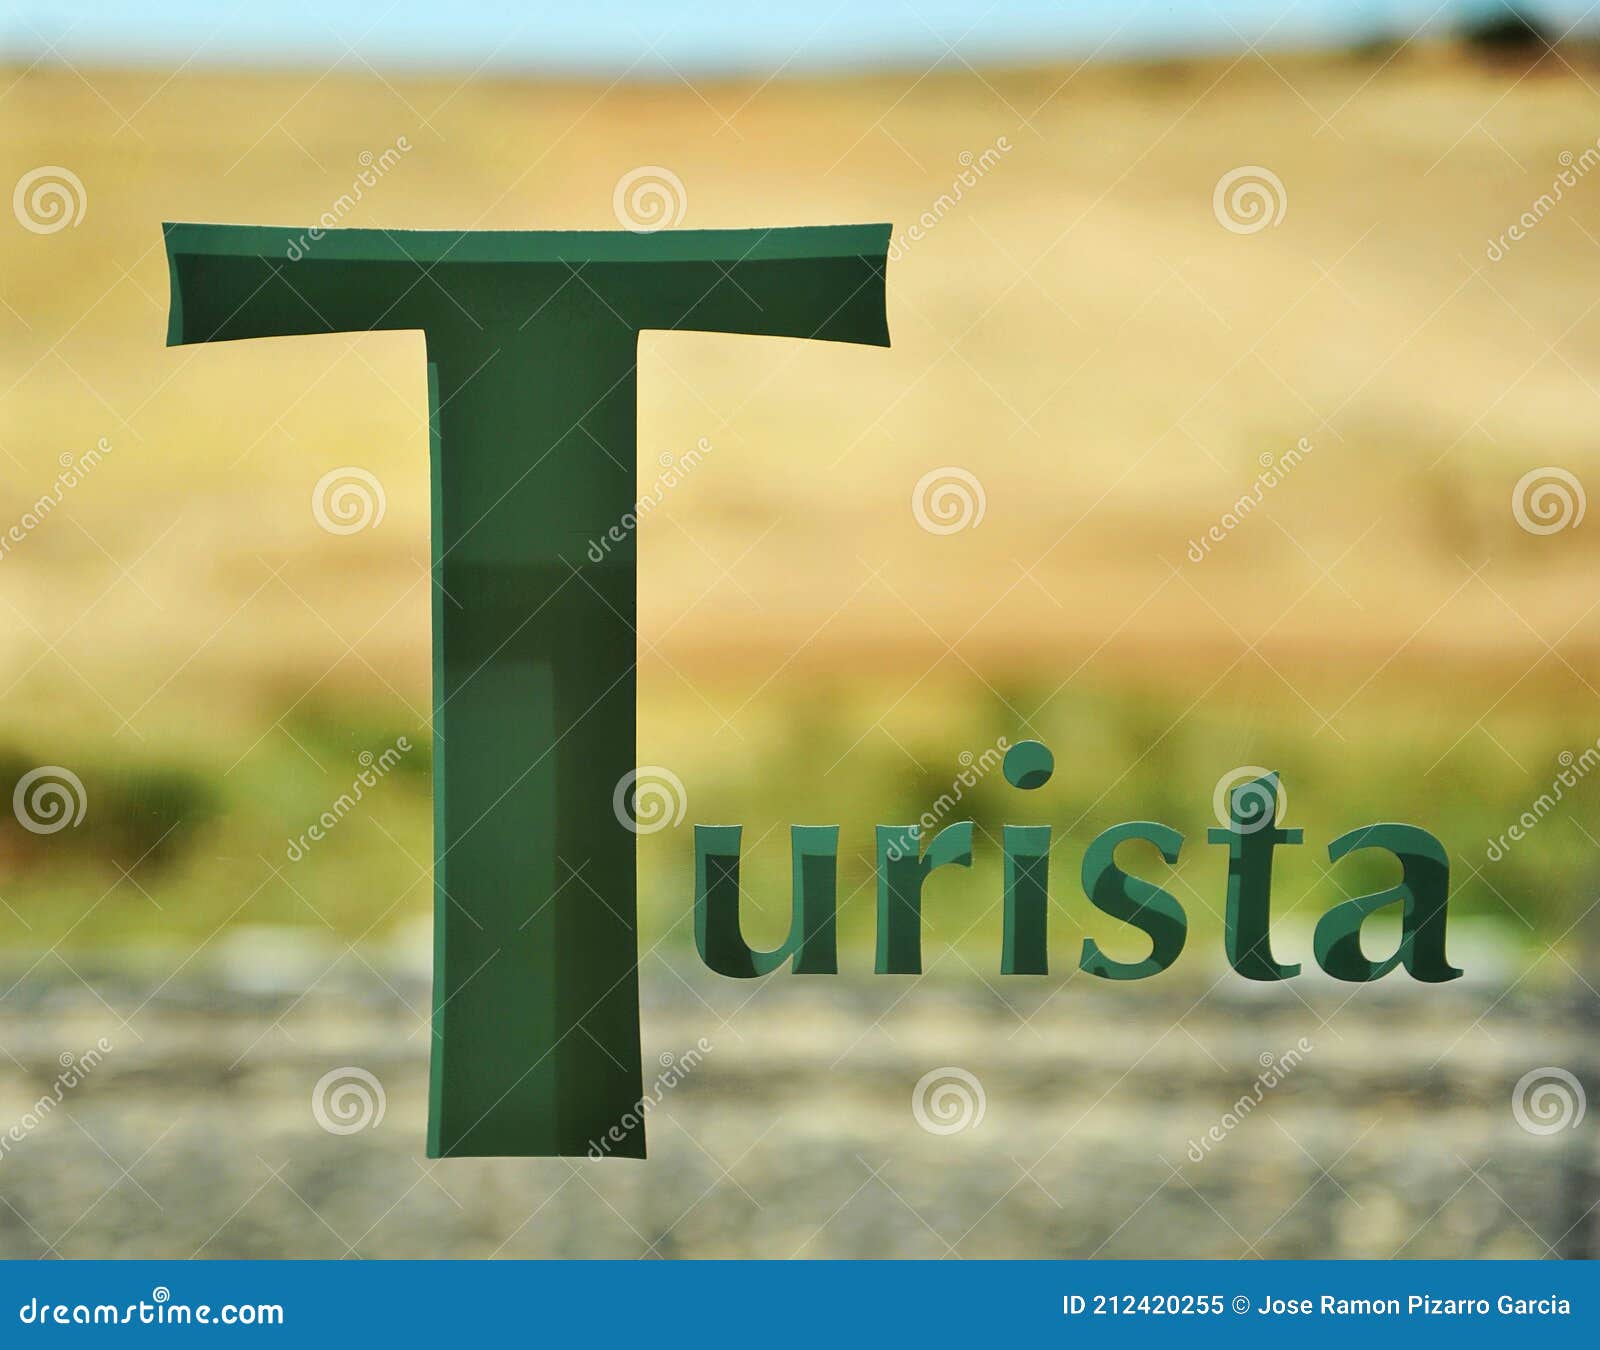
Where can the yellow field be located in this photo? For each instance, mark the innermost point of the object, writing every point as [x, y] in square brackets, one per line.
[1079, 333]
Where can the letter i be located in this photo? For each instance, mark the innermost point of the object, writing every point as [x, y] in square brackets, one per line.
[1024, 949]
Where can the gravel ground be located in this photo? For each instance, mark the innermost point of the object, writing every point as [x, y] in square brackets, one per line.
[797, 1133]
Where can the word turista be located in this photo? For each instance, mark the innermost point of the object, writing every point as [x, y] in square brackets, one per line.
[904, 864]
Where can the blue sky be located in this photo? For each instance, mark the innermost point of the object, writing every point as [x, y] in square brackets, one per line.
[652, 39]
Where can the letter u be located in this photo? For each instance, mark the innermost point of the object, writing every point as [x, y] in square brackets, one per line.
[811, 940]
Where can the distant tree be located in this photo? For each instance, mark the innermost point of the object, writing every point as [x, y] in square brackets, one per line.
[1501, 30]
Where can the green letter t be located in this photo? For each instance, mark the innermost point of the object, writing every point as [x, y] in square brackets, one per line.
[531, 347]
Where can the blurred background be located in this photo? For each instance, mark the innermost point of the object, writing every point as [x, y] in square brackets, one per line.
[1239, 413]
